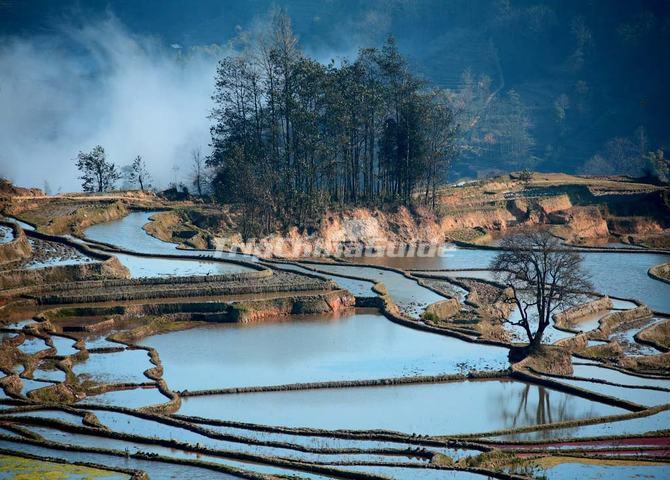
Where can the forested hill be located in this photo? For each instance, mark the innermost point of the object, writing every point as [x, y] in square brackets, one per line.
[567, 85]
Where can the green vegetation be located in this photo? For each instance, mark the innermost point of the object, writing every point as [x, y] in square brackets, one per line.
[97, 174]
[292, 137]
[20, 468]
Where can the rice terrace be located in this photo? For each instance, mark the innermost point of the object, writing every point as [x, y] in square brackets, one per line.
[351, 240]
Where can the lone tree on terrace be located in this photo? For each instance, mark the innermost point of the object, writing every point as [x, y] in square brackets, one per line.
[138, 174]
[97, 174]
[543, 276]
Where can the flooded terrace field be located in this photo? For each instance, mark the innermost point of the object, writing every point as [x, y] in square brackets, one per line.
[619, 274]
[359, 392]
[358, 346]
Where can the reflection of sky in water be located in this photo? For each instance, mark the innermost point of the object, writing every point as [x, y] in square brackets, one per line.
[633, 426]
[154, 469]
[618, 274]
[116, 367]
[360, 346]
[133, 425]
[359, 288]
[573, 468]
[405, 292]
[6, 234]
[137, 397]
[448, 408]
[129, 234]
[166, 267]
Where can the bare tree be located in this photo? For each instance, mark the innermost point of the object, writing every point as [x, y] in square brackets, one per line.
[198, 171]
[543, 276]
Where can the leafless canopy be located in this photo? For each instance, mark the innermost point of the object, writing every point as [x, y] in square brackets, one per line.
[544, 277]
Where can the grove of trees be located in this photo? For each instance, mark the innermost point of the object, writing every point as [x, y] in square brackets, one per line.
[292, 136]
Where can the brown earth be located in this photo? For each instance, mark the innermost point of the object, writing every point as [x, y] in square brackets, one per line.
[580, 209]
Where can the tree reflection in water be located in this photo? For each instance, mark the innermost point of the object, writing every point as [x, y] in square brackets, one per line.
[533, 405]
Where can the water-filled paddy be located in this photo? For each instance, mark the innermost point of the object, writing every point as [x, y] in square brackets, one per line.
[640, 396]
[64, 345]
[127, 233]
[434, 409]
[615, 376]
[571, 468]
[132, 398]
[405, 292]
[156, 470]
[130, 447]
[33, 345]
[137, 426]
[607, 270]
[359, 288]
[117, 367]
[633, 426]
[350, 347]
[399, 473]
[6, 234]
[167, 267]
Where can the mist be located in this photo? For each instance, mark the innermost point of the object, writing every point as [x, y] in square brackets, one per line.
[100, 84]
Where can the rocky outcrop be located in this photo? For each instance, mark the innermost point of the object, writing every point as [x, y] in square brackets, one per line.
[580, 223]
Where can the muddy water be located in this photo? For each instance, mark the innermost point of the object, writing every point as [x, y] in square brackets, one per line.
[619, 274]
[310, 349]
[434, 409]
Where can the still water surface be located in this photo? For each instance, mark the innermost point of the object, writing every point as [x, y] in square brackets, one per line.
[310, 349]
[433, 409]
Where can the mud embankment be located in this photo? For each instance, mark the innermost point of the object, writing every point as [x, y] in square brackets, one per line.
[613, 321]
[660, 272]
[262, 283]
[17, 249]
[569, 317]
[658, 336]
[107, 266]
